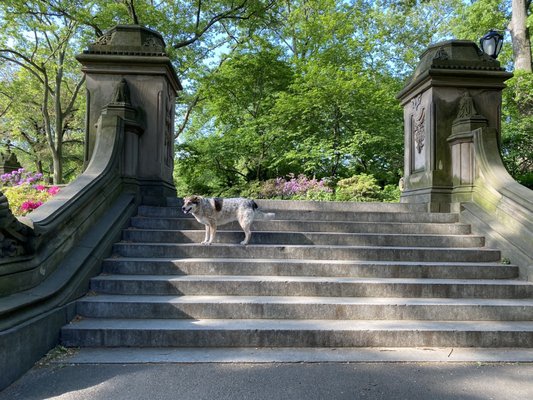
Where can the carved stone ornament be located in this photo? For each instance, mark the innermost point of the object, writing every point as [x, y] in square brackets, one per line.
[419, 123]
[467, 109]
[415, 103]
[104, 40]
[419, 130]
[441, 54]
[169, 121]
[14, 236]
[151, 41]
[122, 93]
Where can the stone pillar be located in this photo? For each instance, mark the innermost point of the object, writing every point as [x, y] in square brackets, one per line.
[128, 66]
[454, 90]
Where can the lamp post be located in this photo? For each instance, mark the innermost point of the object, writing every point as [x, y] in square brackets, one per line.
[491, 43]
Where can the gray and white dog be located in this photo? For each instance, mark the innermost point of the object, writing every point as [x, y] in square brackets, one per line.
[215, 211]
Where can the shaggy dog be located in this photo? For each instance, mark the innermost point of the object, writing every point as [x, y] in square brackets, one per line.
[216, 211]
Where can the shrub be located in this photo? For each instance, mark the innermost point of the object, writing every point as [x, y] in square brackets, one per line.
[358, 188]
[391, 194]
[22, 192]
[19, 177]
[296, 188]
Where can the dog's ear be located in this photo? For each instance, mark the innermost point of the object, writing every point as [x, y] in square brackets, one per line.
[194, 199]
[218, 203]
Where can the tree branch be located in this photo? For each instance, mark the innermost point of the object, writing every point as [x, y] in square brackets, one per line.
[229, 14]
[188, 113]
[27, 66]
[70, 105]
[131, 10]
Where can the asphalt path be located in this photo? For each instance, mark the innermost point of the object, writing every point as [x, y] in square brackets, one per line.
[309, 381]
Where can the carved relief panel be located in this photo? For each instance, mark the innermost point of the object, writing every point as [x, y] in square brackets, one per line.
[418, 129]
[169, 128]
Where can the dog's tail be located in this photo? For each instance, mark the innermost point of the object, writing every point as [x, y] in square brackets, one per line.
[260, 214]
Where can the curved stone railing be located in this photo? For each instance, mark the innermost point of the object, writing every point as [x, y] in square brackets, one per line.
[69, 236]
[501, 208]
[452, 120]
[48, 257]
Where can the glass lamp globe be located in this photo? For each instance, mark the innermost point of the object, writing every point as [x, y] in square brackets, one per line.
[491, 43]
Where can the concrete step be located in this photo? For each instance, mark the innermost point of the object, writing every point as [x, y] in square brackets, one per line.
[309, 226]
[346, 268]
[325, 206]
[360, 253]
[308, 286]
[299, 307]
[306, 238]
[295, 333]
[270, 355]
[303, 215]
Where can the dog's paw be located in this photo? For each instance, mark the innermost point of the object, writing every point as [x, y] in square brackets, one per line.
[244, 243]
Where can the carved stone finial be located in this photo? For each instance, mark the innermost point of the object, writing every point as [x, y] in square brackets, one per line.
[122, 93]
[467, 109]
[441, 54]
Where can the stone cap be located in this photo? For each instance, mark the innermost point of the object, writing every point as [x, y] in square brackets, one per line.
[129, 40]
[126, 45]
[457, 57]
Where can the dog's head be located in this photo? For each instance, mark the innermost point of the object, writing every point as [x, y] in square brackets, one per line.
[190, 204]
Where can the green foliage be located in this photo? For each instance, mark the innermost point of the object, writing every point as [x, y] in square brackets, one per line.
[271, 87]
[39, 93]
[517, 128]
[390, 194]
[358, 188]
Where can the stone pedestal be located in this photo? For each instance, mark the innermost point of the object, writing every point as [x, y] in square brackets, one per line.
[133, 58]
[454, 90]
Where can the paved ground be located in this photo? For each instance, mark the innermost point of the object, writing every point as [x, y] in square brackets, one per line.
[60, 379]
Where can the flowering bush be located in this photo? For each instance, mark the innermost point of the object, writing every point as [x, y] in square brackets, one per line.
[20, 177]
[296, 188]
[22, 192]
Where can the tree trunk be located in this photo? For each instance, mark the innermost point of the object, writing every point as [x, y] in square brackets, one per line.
[58, 167]
[520, 36]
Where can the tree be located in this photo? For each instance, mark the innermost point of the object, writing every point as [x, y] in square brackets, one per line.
[336, 117]
[39, 43]
[520, 35]
[238, 103]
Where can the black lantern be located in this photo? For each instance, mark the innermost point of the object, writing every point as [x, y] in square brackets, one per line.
[491, 43]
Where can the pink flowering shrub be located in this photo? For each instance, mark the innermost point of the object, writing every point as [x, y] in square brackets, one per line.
[361, 187]
[23, 192]
[296, 188]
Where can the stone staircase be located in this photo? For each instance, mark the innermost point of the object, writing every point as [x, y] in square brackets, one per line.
[318, 275]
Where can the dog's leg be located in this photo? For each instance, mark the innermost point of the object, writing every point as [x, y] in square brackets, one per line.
[246, 222]
[207, 234]
[213, 231]
[247, 235]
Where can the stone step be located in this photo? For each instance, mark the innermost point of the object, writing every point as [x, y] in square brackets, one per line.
[302, 215]
[360, 253]
[308, 286]
[384, 269]
[325, 206]
[295, 333]
[299, 307]
[309, 226]
[306, 238]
